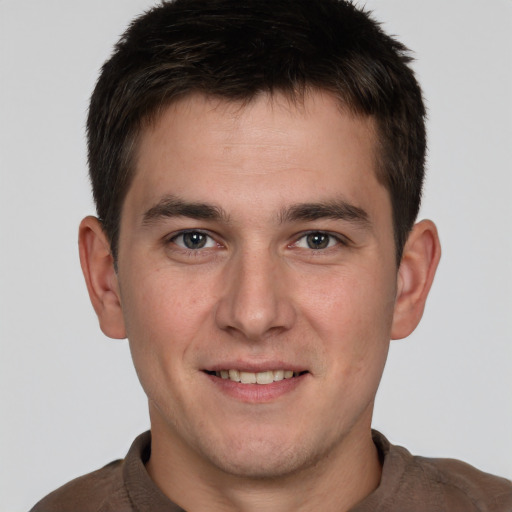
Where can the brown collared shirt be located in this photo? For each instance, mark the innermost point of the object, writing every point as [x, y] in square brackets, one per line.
[408, 484]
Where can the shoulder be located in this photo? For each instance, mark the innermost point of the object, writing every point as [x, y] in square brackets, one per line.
[437, 484]
[458, 479]
[89, 493]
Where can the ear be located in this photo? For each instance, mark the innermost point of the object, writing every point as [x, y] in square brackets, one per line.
[100, 276]
[420, 258]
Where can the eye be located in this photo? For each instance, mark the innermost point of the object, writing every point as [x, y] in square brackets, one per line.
[317, 240]
[193, 240]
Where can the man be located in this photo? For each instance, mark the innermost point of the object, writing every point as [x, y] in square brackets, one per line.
[257, 168]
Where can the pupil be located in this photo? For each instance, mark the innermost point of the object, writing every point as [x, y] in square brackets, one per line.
[194, 240]
[318, 240]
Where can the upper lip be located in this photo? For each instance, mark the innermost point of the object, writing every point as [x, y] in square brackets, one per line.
[255, 367]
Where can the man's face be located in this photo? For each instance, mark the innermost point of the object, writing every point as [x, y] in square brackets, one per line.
[256, 243]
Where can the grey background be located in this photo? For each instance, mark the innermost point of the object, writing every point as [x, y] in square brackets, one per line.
[69, 398]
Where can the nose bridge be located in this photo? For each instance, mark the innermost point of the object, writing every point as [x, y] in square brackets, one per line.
[255, 301]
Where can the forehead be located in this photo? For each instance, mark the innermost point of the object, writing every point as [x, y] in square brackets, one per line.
[270, 150]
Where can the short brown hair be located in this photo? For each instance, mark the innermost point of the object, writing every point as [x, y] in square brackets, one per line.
[236, 50]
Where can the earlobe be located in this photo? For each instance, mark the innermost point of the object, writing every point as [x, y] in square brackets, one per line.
[100, 276]
[420, 258]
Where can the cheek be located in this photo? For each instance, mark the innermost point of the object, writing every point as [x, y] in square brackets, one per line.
[164, 305]
[352, 312]
[165, 318]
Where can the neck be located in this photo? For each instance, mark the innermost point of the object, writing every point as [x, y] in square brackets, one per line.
[335, 482]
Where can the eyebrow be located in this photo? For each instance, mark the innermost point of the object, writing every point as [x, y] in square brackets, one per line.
[336, 209]
[172, 206]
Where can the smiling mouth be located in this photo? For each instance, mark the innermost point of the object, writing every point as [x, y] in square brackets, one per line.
[267, 377]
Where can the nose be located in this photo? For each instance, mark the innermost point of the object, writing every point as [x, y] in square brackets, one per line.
[255, 302]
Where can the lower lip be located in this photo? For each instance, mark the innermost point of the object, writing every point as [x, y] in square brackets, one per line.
[257, 393]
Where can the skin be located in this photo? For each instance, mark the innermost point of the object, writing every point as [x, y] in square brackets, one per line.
[258, 297]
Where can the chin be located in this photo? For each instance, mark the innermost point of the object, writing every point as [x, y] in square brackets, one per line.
[259, 466]
[264, 458]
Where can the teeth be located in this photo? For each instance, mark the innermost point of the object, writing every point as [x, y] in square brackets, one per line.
[257, 378]
[247, 378]
[234, 375]
[279, 375]
[265, 377]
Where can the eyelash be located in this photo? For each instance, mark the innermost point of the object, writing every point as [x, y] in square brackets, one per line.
[172, 239]
[340, 240]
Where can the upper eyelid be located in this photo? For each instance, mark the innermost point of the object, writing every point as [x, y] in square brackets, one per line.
[171, 239]
[343, 239]
[171, 236]
[338, 236]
